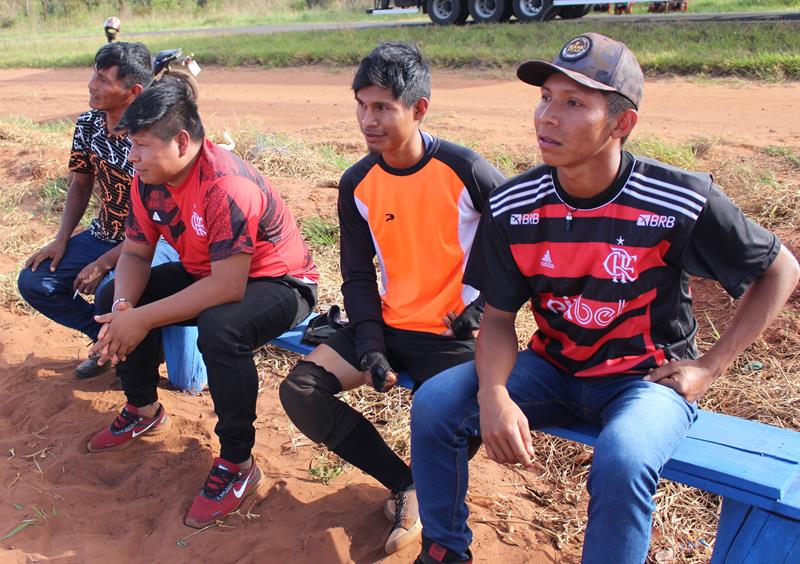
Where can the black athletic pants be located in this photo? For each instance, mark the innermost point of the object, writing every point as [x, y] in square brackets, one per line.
[227, 336]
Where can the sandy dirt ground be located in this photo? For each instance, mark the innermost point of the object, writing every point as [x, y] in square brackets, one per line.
[129, 505]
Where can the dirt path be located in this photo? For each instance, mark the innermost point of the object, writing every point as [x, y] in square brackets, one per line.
[316, 104]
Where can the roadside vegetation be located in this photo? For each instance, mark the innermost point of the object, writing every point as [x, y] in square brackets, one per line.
[761, 385]
[21, 17]
[67, 37]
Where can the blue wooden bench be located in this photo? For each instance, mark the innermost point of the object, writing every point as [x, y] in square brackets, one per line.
[754, 467]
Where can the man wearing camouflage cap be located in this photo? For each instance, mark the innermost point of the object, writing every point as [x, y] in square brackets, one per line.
[602, 243]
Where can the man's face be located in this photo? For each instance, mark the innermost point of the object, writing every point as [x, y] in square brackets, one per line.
[386, 123]
[155, 160]
[106, 91]
[571, 122]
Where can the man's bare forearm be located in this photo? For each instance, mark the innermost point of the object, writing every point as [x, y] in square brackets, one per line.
[130, 279]
[78, 196]
[496, 350]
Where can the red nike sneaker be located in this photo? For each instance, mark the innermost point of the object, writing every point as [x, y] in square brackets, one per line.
[126, 427]
[226, 487]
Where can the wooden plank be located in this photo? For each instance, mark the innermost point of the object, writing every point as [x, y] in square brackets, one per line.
[763, 475]
[774, 542]
[748, 436]
[793, 557]
[731, 520]
[747, 536]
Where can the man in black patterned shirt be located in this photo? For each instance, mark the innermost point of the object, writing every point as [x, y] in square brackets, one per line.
[55, 276]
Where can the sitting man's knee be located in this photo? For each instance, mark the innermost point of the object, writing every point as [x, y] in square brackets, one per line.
[307, 395]
[30, 283]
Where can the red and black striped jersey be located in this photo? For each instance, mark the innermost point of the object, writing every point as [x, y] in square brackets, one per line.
[420, 223]
[608, 279]
[224, 207]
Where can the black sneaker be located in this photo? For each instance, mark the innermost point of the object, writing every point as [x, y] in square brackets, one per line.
[432, 553]
[89, 367]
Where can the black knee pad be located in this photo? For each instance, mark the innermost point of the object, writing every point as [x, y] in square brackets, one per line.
[308, 396]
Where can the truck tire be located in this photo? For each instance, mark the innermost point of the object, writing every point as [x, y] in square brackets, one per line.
[487, 11]
[446, 12]
[534, 10]
[573, 12]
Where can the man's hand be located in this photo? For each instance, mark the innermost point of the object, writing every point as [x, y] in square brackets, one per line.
[89, 278]
[54, 250]
[690, 378]
[505, 429]
[122, 331]
[464, 325]
[377, 372]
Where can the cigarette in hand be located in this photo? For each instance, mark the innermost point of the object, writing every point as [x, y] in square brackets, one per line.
[75, 295]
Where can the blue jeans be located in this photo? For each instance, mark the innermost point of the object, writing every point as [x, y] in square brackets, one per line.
[185, 367]
[642, 425]
[50, 293]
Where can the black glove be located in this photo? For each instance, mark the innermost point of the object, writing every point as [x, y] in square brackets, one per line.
[468, 321]
[378, 366]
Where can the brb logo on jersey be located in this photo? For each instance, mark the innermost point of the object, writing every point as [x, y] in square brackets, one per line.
[654, 220]
[197, 224]
[620, 265]
[524, 219]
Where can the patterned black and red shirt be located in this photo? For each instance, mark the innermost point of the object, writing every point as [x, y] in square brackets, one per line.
[97, 151]
[608, 279]
[224, 207]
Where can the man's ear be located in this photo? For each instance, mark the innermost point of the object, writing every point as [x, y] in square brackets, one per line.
[183, 139]
[420, 108]
[624, 124]
[136, 89]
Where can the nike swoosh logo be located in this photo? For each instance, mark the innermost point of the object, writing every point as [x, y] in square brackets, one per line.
[238, 492]
[135, 434]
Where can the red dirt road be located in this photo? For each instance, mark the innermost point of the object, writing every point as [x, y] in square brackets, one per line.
[316, 104]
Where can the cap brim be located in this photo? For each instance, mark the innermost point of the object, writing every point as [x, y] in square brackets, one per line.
[536, 72]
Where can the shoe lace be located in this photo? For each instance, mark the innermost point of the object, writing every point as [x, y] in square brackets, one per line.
[399, 508]
[218, 479]
[123, 420]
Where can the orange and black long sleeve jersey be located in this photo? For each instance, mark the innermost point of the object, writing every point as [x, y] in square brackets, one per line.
[420, 223]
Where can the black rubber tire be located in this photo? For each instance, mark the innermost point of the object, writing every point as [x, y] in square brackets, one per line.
[534, 10]
[488, 11]
[573, 12]
[447, 12]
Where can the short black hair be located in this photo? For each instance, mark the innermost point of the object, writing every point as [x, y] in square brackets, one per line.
[132, 60]
[617, 103]
[164, 109]
[399, 67]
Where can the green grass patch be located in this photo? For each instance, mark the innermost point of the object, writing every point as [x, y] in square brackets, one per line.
[676, 154]
[320, 231]
[53, 194]
[790, 156]
[764, 50]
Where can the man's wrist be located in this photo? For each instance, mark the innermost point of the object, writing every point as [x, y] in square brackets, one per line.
[492, 393]
[118, 301]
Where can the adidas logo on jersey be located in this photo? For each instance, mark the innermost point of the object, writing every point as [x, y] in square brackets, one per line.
[653, 220]
[546, 261]
[524, 219]
[156, 217]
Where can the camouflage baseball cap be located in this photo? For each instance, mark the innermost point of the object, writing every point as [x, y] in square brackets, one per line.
[595, 61]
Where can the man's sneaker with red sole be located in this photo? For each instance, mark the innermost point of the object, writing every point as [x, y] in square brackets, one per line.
[128, 426]
[226, 487]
